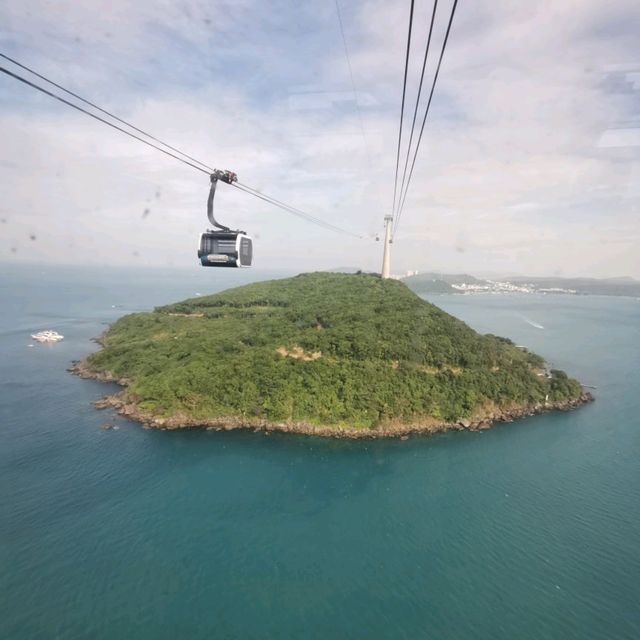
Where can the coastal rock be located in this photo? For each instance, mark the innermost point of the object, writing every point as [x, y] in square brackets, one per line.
[230, 423]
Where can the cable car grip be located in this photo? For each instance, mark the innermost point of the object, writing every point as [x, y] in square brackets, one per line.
[226, 176]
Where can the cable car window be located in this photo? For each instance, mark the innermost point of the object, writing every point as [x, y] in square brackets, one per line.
[246, 251]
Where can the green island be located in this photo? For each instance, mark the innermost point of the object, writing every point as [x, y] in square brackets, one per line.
[351, 355]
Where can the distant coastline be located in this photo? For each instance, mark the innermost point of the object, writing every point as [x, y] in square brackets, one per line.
[434, 282]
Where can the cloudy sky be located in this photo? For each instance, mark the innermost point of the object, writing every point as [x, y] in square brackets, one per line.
[530, 162]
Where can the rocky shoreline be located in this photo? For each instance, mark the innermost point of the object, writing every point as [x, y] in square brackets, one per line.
[482, 420]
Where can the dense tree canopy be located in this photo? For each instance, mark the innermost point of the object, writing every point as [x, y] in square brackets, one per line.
[320, 348]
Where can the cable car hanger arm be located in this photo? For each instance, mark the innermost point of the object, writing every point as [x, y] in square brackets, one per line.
[226, 176]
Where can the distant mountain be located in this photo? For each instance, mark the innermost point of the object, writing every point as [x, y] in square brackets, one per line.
[435, 282]
[449, 278]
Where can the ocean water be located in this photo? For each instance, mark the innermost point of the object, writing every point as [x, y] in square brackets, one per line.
[529, 530]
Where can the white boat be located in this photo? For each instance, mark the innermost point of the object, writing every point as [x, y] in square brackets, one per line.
[47, 336]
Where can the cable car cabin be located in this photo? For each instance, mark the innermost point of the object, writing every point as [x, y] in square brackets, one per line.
[225, 249]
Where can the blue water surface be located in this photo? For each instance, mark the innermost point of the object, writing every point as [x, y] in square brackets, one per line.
[529, 530]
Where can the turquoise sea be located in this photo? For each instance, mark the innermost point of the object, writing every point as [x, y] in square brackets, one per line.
[530, 530]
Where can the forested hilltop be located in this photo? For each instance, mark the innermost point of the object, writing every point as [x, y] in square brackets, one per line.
[316, 353]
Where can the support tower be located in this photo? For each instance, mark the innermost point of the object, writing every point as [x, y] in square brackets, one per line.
[386, 256]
